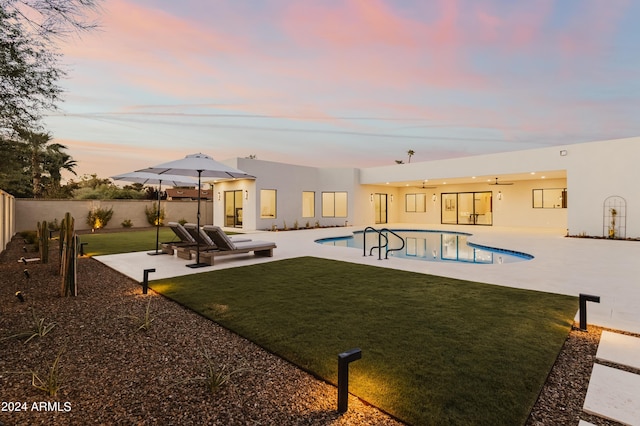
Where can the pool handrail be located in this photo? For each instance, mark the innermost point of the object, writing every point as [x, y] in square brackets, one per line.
[380, 245]
[386, 255]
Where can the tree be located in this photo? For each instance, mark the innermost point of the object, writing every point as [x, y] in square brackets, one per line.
[44, 161]
[29, 70]
[55, 162]
[14, 175]
[31, 166]
[410, 153]
[91, 187]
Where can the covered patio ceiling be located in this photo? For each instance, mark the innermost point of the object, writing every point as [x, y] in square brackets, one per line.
[434, 182]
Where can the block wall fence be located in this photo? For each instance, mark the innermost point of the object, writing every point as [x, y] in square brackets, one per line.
[28, 212]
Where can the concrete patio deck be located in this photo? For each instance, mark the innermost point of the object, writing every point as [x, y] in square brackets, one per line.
[605, 268]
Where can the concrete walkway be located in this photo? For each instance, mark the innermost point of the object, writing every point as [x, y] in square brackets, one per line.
[605, 268]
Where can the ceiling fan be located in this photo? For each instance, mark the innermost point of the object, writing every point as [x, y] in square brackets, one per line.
[425, 187]
[501, 183]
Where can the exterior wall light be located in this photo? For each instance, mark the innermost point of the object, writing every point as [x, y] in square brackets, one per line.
[499, 195]
[246, 194]
[434, 198]
[218, 195]
[392, 198]
[371, 197]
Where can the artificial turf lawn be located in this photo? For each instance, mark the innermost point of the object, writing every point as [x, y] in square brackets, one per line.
[435, 350]
[124, 242]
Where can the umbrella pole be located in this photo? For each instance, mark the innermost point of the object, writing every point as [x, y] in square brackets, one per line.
[198, 264]
[155, 253]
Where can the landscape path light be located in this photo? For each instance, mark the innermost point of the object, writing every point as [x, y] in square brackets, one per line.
[584, 298]
[344, 359]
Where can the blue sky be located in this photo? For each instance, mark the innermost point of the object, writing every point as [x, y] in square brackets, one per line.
[346, 83]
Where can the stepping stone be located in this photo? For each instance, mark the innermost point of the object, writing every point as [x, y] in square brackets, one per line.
[620, 349]
[613, 394]
[583, 423]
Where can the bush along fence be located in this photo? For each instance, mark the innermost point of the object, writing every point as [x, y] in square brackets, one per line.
[68, 257]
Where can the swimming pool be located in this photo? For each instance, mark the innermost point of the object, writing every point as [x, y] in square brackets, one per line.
[432, 246]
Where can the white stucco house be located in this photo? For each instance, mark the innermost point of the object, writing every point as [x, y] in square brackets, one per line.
[587, 189]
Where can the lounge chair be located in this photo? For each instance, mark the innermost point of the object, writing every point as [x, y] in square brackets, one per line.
[209, 230]
[227, 246]
[205, 240]
[185, 239]
[200, 237]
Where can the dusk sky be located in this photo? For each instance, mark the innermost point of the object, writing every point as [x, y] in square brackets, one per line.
[351, 83]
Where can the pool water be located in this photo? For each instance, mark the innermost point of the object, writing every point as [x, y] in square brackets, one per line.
[432, 246]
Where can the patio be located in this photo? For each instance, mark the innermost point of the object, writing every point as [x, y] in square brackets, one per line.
[604, 268]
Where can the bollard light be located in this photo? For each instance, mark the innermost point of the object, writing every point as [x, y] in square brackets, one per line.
[584, 298]
[145, 281]
[343, 376]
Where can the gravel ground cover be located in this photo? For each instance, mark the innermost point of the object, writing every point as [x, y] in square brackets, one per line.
[113, 371]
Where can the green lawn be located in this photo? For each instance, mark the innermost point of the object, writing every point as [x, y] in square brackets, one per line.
[124, 242]
[435, 350]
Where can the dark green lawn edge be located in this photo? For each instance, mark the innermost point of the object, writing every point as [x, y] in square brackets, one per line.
[548, 363]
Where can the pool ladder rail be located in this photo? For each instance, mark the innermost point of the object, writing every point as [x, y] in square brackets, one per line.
[380, 245]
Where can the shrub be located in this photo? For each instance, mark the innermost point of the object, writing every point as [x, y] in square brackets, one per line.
[52, 381]
[30, 237]
[144, 322]
[127, 223]
[182, 221]
[54, 226]
[38, 329]
[152, 215]
[99, 218]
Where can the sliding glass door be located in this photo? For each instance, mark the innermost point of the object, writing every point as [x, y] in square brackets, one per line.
[233, 208]
[380, 206]
[467, 208]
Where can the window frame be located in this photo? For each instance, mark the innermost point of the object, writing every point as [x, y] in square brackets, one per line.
[334, 203]
[275, 203]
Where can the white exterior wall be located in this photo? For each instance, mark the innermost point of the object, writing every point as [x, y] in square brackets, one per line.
[599, 170]
[594, 171]
[290, 181]
[7, 218]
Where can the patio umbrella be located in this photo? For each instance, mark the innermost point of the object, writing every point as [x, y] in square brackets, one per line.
[154, 178]
[200, 165]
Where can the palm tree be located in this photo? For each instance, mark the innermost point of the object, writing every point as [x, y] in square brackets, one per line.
[56, 161]
[35, 144]
[45, 162]
[410, 153]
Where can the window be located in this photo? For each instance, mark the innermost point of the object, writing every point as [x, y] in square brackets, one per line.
[334, 204]
[415, 203]
[267, 203]
[550, 198]
[308, 204]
